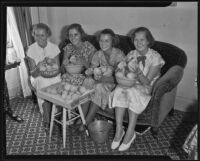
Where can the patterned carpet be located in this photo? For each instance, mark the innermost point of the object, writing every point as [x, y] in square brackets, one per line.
[29, 137]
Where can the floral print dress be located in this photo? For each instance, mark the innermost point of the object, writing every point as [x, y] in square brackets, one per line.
[86, 50]
[103, 89]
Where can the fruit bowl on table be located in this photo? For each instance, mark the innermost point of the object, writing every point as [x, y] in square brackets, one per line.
[125, 82]
[74, 68]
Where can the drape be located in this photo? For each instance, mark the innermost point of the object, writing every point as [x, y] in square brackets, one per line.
[24, 23]
[18, 46]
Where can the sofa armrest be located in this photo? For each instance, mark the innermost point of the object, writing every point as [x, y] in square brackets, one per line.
[170, 79]
[165, 84]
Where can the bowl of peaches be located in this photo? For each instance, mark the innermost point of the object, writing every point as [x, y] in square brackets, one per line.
[49, 68]
[125, 79]
[124, 76]
[74, 66]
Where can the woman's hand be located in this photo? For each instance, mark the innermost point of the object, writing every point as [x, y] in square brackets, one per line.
[97, 73]
[83, 62]
[133, 66]
[89, 71]
[121, 65]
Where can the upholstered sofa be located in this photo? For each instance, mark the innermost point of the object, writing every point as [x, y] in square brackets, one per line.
[164, 90]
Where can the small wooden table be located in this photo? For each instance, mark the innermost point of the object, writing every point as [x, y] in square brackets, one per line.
[68, 107]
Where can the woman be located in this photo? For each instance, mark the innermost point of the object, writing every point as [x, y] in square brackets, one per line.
[41, 53]
[146, 64]
[108, 56]
[79, 49]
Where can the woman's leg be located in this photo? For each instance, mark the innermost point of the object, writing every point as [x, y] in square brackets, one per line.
[85, 108]
[131, 126]
[119, 115]
[47, 106]
[90, 115]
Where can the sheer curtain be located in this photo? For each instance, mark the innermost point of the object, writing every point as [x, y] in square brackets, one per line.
[24, 23]
[17, 44]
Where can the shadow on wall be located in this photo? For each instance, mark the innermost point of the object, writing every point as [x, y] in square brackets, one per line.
[193, 106]
[63, 36]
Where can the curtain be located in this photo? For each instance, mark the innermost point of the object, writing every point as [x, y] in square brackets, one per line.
[12, 29]
[24, 23]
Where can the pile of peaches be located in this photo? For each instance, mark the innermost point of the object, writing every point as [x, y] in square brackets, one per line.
[67, 91]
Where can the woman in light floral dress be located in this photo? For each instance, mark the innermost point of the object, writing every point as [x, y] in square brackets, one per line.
[108, 56]
[146, 64]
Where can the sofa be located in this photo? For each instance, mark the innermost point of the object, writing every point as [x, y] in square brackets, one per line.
[164, 90]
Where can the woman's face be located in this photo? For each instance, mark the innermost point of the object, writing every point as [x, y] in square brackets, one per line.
[41, 37]
[105, 42]
[141, 43]
[74, 37]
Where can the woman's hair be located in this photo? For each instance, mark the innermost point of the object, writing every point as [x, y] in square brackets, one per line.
[79, 28]
[41, 26]
[148, 34]
[115, 38]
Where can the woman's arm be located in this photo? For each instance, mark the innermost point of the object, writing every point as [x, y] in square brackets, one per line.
[57, 59]
[34, 69]
[67, 54]
[152, 73]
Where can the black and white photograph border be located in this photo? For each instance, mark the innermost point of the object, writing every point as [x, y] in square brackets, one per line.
[162, 129]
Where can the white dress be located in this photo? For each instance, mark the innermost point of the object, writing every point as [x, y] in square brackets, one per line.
[38, 54]
[137, 97]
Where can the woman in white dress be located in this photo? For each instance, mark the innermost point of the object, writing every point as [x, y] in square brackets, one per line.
[39, 54]
[146, 64]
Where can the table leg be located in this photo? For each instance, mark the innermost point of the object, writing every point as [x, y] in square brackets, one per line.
[83, 118]
[64, 127]
[69, 116]
[52, 120]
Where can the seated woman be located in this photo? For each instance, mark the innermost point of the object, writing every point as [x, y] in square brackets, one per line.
[43, 55]
[102, 66]
[146, 64]
[77, 50]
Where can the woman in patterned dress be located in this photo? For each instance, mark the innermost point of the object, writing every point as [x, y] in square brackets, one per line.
[108, 56]
[146, 64]
[79, 49]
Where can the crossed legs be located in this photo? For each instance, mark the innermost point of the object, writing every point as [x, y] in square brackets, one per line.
[89, 109]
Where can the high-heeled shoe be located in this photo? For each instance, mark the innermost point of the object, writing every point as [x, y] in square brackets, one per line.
[115, 144]
[124, 147]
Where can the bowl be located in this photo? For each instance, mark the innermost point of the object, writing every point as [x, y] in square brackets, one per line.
[125, 82]
[74, 69]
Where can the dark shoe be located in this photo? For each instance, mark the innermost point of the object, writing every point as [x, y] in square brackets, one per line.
[14, 117]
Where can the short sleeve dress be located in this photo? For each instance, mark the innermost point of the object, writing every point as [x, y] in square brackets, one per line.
[38, 54]
[137, 97]
[103, 89]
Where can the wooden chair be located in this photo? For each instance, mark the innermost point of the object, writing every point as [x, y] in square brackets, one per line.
[33, 90]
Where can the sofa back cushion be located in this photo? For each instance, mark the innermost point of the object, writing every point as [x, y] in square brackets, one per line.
[170, 53]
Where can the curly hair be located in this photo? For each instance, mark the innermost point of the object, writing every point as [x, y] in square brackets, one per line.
[79, 28]
[115, 38]
[148, 34]
[41, 26]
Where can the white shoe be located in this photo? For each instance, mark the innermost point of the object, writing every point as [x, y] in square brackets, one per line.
[124, 147]
[115, 144]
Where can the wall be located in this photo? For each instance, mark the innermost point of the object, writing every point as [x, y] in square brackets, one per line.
[174, 24]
